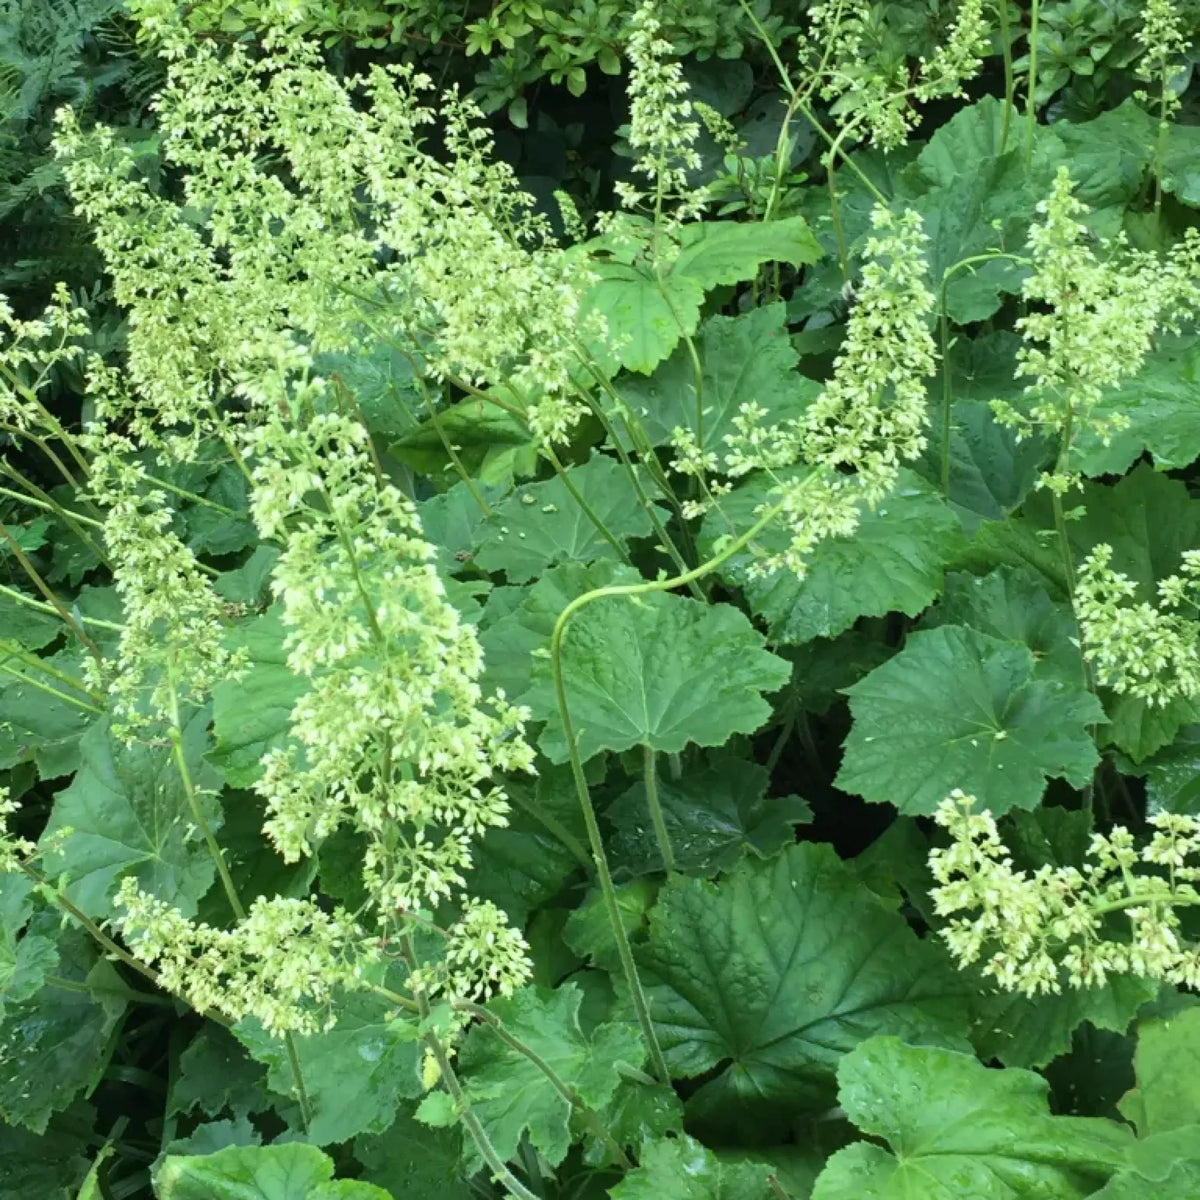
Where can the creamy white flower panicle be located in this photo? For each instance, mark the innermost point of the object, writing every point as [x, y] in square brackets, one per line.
[1032, 931]
[283, 964]
[663, 125]
[1144, 650]
[171, 651]
[873, 91]
[34, 348]
[1164, 46]
[395, 737]
[1095, 318]
[444, 255]
[868, 421]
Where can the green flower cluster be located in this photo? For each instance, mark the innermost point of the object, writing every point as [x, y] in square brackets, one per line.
[1031, 930]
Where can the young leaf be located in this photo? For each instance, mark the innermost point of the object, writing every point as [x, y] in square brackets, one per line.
[660, 670]
[542, 524]
[891, 563]
[778, 970]
[355, 1074]
[747, 356]
[959, 709]
[288, 1172]
[511, 1095]
[681, 1168]
[127, 813]
[957, 1129]
[1167, 1066]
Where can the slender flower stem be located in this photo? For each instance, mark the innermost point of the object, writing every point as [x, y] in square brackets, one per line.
[231, 892]
[603, 873]
[650, 774]
[471, 1122]
[30, 602]
[43, 587]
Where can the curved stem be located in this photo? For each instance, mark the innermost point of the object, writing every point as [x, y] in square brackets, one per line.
[604, 875]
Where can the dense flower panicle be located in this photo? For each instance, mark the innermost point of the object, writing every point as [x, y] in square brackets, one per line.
[1138, 648]
[872, 414]
[283, 964]
[1030, 930]
[663, 125]
[870, 418]
[29, 351]
[171, 650]
[1164, 47]
[395, 734]
[443, 255]
[1096, 319]
[844, 61]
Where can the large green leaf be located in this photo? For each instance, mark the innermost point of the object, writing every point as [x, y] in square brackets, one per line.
[1011, 604]
[768, 977]
[252, 715]
[683, 1169]
[288, 1172]
[891, 563]
[660, 670]
[973, 200]
[518, 622]
[127, 812]
[542, 524]
[511, 1095]
[958, 1131]
[744, 358]
[1160, 404]
[1109, 156]
[1167, 1067]
[55, 1045]
[355, 1074]
[959, 709]
[647, 315]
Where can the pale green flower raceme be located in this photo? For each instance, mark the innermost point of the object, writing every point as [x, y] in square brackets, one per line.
[1140, 649]
[1164, 47]
[663, 125]
[1033, 931]
[283, 964]
[1097, 311]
